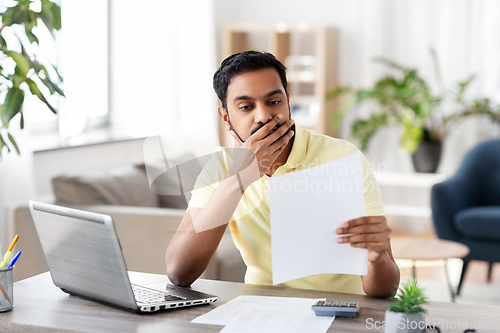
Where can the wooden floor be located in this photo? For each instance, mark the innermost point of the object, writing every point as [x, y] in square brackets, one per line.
[477, 272]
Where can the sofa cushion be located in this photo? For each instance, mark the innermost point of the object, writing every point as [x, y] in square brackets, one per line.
[173, 181]
[168, 189]
[479, 222]
[127, 185]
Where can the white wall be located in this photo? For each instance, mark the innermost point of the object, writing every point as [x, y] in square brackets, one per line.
[465, 33]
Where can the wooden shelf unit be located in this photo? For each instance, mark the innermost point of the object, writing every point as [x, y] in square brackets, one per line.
[237, 38]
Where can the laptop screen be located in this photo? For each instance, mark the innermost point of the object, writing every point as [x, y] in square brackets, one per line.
[83, 253]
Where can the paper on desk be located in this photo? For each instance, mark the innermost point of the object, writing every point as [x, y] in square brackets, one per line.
[266, 314]
[306, 207]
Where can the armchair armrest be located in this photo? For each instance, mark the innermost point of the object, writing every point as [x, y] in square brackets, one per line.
[448, 198]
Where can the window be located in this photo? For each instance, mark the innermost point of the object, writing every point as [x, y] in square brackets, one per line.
[80, 52]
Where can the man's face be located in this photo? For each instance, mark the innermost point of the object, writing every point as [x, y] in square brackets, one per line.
[253, 99]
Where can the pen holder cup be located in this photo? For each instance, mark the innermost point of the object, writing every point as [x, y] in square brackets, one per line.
[6, 289]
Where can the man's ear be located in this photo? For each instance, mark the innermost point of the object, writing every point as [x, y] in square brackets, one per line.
[223, 114]
[289, 109]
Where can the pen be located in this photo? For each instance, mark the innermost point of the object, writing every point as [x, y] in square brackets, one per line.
[13, 261]
[8, 254]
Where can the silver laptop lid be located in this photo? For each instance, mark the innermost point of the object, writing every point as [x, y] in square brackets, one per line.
[83, 253]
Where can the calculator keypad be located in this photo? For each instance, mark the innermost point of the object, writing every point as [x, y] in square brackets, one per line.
[336, 308]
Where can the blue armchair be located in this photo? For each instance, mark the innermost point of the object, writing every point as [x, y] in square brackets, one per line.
[466, 207]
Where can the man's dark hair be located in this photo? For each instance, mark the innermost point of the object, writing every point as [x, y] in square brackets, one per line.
[241, 63]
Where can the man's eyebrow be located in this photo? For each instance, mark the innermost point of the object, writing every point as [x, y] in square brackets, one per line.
[274, 92]
[248, 98]
[242, 97]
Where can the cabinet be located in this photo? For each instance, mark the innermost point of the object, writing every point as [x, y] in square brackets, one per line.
[310, 54]
[407, 200]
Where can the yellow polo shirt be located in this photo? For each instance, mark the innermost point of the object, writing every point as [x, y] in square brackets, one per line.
[250, 223]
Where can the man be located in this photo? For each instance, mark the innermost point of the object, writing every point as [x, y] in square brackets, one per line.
[252, 88]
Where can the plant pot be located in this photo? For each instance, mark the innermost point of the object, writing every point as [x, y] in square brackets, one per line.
[399, 322]
[426, 157]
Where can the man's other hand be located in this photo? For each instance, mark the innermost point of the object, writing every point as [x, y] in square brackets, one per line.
[369, 232]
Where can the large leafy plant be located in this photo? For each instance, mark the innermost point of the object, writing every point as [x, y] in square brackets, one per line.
[410, 299]
[405, 99]
[29, 73]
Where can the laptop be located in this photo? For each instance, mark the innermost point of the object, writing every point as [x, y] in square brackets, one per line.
[85, 259]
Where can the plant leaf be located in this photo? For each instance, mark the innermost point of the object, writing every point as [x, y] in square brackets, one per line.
[391, 64]
[21, 123]
[462, 87]
[437, 69]
[12, 104]
[56, 13]
[15, 15]
[31, 36]
[37, 66]
[11, 139]
[22, 67]
[365, 129]
[36, 91]
[30, 23]
[16, 79]
[52, 86]
[47, 16]
[410, 299]
[337, 92]
[3, 42]
[3, 144]
[51, 15]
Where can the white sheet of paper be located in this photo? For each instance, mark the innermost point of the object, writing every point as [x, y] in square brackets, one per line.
[306, 207]
[266, 314]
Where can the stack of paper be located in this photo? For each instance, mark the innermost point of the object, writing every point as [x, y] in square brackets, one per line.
[267, 314]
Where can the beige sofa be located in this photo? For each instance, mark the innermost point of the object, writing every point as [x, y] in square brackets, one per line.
[144, 235]
[144, 232]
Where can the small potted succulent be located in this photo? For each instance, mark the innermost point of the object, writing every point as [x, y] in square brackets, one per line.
[406, 314]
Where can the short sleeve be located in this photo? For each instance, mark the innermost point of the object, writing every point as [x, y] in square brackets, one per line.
[208, 180]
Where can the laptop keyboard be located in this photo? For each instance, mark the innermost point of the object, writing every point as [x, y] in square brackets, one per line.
[151, 296]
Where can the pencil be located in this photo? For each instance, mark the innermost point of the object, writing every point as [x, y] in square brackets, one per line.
[13, 243]
[4, 293]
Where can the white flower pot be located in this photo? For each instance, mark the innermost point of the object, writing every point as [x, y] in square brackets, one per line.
[398, 322]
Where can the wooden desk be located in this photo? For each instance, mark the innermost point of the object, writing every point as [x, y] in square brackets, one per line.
[41, 307]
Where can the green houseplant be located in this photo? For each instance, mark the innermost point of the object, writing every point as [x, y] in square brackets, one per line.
[405, 99]
[406, 314]
[21, 71]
